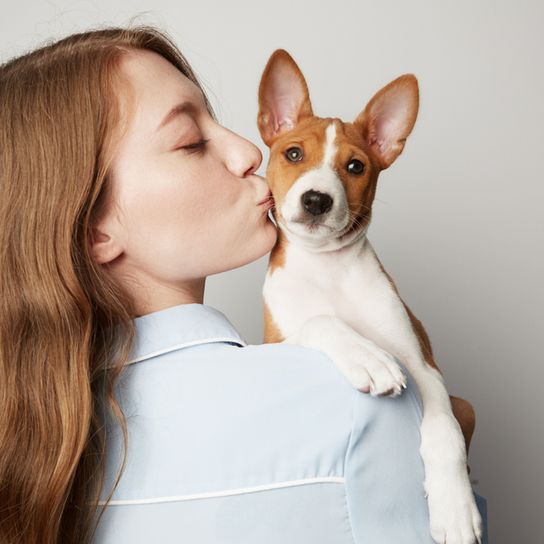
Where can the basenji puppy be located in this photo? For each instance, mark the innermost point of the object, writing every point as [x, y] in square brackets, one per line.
[325, 287]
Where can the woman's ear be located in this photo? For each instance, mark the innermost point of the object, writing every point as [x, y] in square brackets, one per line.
[104, 247]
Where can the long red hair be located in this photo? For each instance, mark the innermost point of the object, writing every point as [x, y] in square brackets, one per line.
[63, 320]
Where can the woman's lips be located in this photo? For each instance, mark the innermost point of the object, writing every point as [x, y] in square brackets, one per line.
[267, 198]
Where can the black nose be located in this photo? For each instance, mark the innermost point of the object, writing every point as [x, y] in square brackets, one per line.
[315, 202]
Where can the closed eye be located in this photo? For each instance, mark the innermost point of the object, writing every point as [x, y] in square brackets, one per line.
[197, 146]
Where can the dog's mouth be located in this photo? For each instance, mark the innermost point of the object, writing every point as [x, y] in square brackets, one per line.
[311, 223]
[314, 228]
[320, 227]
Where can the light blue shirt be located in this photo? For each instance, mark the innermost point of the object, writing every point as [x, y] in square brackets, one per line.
[238, 443]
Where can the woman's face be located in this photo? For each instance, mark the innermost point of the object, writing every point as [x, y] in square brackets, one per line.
[182, 210]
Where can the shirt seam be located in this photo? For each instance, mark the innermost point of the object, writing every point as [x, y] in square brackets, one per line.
[227, 492]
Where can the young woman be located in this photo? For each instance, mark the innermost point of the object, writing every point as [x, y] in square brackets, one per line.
[127, 404]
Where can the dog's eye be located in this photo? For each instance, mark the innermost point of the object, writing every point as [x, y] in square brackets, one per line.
[355, 167]
[294, 154]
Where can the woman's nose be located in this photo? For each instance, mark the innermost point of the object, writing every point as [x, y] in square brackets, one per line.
[242, 156]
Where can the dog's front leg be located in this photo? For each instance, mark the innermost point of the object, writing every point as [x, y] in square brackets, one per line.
[454, 515]
[368, 367]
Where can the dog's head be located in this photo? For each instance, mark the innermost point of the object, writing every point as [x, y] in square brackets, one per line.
[323, 172]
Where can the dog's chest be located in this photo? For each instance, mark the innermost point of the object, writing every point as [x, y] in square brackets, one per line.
[350, 285]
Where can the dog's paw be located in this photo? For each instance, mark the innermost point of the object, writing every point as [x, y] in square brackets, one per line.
[454, 516]
[371, 369]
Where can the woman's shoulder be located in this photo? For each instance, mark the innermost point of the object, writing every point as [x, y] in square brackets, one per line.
[232, 416]
[234, 375]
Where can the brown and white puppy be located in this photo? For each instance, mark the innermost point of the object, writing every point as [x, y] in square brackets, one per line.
[325, 287]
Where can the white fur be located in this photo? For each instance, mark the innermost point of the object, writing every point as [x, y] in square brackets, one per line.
[340, 302]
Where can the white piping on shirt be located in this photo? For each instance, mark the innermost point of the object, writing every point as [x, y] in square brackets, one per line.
[229, 492]
[186, 345]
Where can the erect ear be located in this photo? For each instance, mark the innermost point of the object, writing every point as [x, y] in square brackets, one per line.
[389, 117]
[283, 96]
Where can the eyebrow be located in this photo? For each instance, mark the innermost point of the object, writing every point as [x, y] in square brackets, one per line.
[183, 107]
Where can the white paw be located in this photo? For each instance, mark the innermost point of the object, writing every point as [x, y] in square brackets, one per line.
[454, 516]
[369, 368]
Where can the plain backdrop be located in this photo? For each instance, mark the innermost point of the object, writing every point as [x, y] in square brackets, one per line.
[457, 218]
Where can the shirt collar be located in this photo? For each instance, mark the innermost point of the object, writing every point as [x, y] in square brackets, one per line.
[181, 326]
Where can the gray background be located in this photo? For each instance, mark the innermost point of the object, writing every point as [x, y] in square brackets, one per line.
[457, 218]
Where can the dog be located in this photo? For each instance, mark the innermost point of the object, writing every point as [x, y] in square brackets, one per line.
[325, 287]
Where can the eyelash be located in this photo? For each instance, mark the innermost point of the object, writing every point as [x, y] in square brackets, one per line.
[196, 147]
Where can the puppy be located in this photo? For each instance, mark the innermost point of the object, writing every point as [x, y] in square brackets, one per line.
[325, 287]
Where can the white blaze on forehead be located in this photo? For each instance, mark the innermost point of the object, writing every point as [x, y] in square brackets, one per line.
[324, 179]
[330, 148]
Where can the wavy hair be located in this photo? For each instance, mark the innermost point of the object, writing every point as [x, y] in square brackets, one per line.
[66, 328]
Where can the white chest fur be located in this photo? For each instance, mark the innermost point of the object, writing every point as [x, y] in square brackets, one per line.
[348, 284]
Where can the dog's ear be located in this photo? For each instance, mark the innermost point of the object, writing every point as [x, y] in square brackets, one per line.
[389, 117]
[283, 96]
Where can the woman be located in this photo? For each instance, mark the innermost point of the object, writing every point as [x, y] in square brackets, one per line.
[119, 194]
